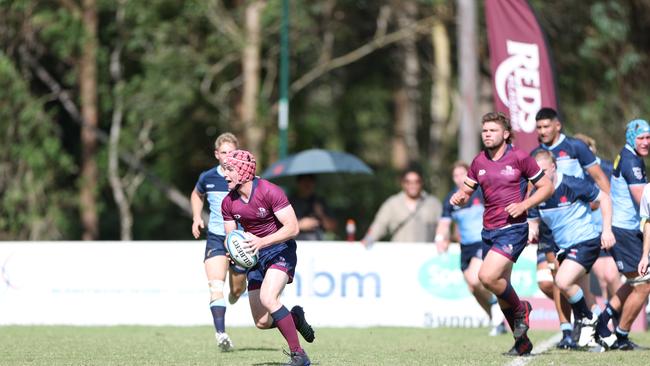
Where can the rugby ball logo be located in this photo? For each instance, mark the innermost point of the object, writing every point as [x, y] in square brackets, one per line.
[235, 247]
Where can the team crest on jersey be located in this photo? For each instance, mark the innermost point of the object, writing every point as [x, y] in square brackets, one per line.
[481, 172]
[261, 212]
[564, 201]
[508, 171]
[638, 174]
[562, 154]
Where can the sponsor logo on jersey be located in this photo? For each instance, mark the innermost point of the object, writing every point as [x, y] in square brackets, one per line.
[209, 186]
[481, 172]
[508, 171]
[237, 216]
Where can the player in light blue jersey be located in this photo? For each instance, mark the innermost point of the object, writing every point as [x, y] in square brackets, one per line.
[212, 184]
[469, 221]
[605, 269]
[628, 182]
[567, 213]
[573, 157]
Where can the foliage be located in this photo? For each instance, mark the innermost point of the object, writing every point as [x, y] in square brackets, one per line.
[34, 169]
[182, 73]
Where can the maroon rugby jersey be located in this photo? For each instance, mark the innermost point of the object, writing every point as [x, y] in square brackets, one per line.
[256, 215]
[503, 182]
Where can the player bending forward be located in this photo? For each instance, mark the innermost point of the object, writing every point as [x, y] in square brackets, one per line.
[264, 212]
[568, 214]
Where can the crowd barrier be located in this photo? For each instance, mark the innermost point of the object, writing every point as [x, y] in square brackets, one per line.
[340, 284]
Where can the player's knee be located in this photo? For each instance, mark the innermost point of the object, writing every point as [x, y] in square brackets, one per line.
[546, 287]
[474, 285]
[269, 302]
[216, 289]
[237, 289]
[487, 279]
[562, 284]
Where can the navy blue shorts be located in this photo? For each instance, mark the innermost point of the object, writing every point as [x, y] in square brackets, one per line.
[546, 242]
[509, 241]
[604, 253]
[469, 251]
[628, 249]
[280, 256]
[584, 253]
[215, 246]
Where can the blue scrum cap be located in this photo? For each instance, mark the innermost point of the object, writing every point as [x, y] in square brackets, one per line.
[635, 128]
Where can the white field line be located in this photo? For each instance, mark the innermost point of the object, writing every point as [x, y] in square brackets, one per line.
[537, 349]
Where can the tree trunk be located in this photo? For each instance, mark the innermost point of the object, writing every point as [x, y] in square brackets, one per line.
[468, 74]
[253, 132]
[407, 99]
[440, 99]
[88, 96]
[121, 199]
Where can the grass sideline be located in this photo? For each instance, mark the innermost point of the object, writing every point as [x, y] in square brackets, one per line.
[139, 345]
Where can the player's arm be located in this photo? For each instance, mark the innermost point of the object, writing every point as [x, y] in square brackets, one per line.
[598, 175]
[644, 211]
[533, 229]
[607, 239]
[636, 191]
[442, 234]
[543, 191]
[463, 194]
[643, 263]
[196, 202]
[289, 230]
[229, 226]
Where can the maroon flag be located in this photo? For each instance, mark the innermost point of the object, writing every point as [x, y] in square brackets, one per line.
[522, 76]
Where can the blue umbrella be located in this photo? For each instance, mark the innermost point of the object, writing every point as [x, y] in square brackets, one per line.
[316, 161]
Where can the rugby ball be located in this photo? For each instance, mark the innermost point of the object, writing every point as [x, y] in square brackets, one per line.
[235, 246]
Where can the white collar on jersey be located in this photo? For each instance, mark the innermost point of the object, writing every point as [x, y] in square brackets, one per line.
[559, 141]
[631, 149]
[558, 179]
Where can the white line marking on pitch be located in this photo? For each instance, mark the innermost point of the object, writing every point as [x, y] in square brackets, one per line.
[537, 349]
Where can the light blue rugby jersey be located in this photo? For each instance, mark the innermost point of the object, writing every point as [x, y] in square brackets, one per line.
[629, 170]
[567, 213]
[607, 167]
[469, 218]
[572, 156]
[212, 184]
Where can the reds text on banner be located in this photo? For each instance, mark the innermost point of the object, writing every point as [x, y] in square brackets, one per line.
[522, 73]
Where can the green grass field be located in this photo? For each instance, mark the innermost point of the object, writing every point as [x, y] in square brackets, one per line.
[43, 345]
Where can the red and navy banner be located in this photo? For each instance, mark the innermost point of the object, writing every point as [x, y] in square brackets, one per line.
[522, 75]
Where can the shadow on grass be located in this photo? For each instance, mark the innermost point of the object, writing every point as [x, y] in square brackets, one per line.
[256, 349]
[277, 363]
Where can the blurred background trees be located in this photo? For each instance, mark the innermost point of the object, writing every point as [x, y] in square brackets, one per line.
[109, 109]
